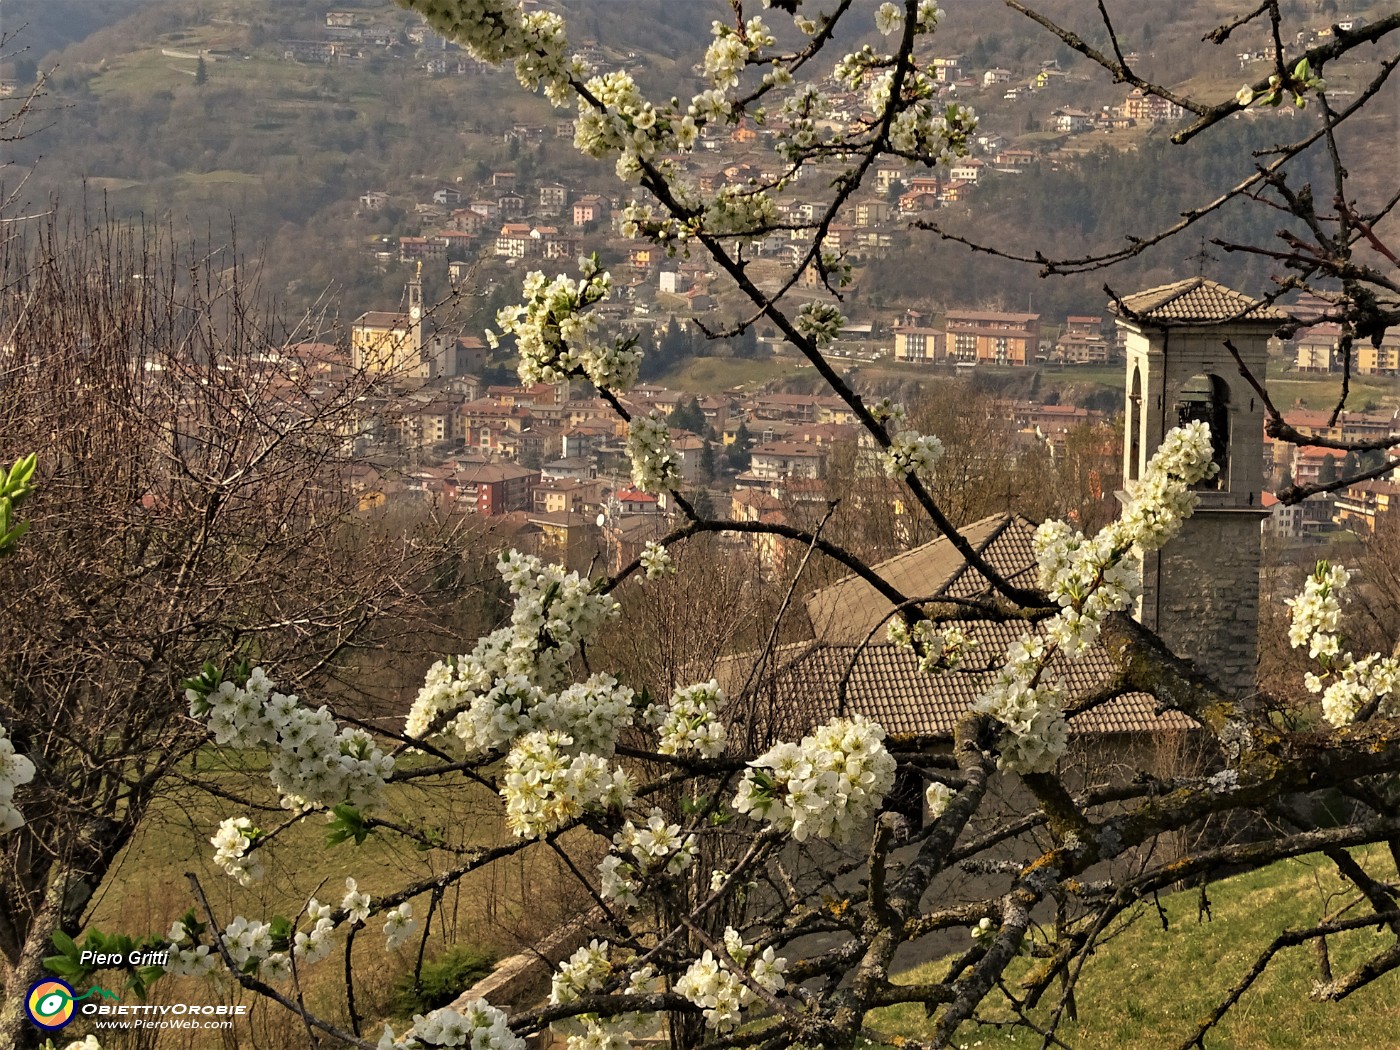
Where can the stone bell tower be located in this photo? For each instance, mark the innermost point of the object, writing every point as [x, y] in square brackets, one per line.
[1200, 593]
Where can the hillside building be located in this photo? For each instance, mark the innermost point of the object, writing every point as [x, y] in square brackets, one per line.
[988, 338]
[402, 346]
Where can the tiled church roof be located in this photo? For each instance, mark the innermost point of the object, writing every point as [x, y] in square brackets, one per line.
[806, 683]
[850, 609]
[1196, 300]
[883, 682]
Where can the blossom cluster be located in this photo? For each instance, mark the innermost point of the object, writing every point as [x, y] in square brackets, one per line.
[731, 49]
[892, 414]
[187, 957]
[713, 986]
[1354, 684]
[1303, 80]
[656, 561]
[546, 785]
[918, 126]
[939, 646]
[231, 843]
[247, 941]
[477, 1025]
[1357, 683]
[888, 18]
[506, 686]
[1028, 707]
[591, 969]
[654, 848]
[1089, 577]
[614, 118]
[654, 464]
[800, 111]
[820, 322]
[910, 452]
[15, 770]
[691, 722]
[588, 970]
[557, 337]
[1162, 499]
[314, 943]
[399, 925]
[937, 797]
[739, 209]
[826, 786]
[256, 946]
[1316, 613]
[314, 762]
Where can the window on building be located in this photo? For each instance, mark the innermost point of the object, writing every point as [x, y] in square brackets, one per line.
[1133, 422]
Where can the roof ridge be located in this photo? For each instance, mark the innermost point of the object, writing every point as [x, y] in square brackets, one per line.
[1186, 287]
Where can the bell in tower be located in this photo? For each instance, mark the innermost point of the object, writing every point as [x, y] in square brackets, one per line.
[1200, 593]
[1206, 399]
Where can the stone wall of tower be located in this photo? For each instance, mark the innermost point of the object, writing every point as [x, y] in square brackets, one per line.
[1200, 594]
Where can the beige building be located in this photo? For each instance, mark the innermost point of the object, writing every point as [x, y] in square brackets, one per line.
[913, 343]
[1364, 502]
[988, 338]
[382, 342]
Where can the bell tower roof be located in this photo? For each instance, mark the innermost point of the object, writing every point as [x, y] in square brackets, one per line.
[1196, 300]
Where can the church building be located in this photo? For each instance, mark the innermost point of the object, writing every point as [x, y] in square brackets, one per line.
[1200, 592]
[402, 346]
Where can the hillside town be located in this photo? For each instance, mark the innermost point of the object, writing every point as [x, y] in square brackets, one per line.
[549, 461]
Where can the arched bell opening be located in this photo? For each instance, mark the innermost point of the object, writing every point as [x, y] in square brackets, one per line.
[1206, 399]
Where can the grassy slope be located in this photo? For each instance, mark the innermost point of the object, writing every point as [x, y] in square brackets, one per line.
[1148, 987]
[148, 890]
[725, 373]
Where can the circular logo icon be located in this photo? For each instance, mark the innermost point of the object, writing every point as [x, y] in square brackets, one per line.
[50, 1004]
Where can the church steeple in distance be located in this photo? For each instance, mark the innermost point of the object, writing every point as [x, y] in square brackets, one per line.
[415, 310]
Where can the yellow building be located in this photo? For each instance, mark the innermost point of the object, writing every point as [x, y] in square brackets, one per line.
[385, 343]
[1381, 360]
[401, 345]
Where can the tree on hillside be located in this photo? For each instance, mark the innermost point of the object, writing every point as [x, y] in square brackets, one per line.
[757, 861]
[687, 416]
[190, 499]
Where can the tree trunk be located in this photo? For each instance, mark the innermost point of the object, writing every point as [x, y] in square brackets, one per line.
[16, 1030]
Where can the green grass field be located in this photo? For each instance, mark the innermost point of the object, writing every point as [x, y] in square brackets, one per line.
[713, 374]
[1145, 987]
[497, 909]
[1148, 987]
